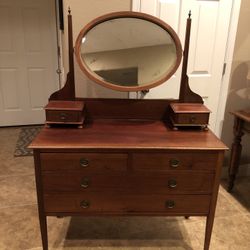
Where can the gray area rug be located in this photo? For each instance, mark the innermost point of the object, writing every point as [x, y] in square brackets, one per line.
[27, 134]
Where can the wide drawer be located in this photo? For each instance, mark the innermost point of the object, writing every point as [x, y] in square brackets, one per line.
[184, 182]
[96, 161]
[172, 161]
[126, 203]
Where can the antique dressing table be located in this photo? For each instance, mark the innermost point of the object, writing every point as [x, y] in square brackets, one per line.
[127, 159]
[241, 126]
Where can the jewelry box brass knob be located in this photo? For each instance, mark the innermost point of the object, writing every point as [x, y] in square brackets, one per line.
[174, 163]
[85, 204]
[84, 162]
[192, 119]
[63, 116]
[170, 204]
[172, 183]
[85, 182]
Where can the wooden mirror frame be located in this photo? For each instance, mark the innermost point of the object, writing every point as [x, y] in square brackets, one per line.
[127, 14]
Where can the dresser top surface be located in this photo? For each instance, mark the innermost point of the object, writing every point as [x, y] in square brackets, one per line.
[124, 134]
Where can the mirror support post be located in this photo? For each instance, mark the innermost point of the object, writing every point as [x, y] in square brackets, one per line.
[68, 91]
[186, 94]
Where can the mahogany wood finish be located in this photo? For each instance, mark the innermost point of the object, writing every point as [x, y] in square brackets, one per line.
[125, 14]
[89, 181]
[175, 160]
[126, 204]
[241, 118]
[189, 108]
[127, 166]
[126, 160]
[186, 94]
[189, 114]
[75, 161]
[137, 109]
[68, 91]
[107, 135]
[40, 201]
[65, 112]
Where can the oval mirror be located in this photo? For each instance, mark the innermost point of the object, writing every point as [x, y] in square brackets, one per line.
[128, 51]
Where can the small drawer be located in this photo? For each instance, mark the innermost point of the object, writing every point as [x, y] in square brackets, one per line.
[115, 203]
[191, 119]
[83, 161]
[62, 116]
[174, 161]
[182, 182]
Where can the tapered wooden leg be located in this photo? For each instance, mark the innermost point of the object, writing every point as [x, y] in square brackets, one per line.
[235, 153]
[43, 228]
[41, 212]
[213, 201]
[209, 228]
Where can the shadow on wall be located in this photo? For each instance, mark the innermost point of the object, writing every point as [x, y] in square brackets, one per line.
[238, 98]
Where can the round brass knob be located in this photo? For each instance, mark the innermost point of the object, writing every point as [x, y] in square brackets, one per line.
[85, 204]
[63, 116]
[174, 163]
[192, 119]
[170, 204]
[172, 183]
[84, 162]
[85, 182]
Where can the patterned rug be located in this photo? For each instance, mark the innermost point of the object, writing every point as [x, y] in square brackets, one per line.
[27, 134]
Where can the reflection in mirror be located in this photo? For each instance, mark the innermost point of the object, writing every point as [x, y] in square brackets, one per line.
[128, 52]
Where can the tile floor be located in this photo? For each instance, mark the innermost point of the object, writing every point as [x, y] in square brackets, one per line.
[19, 226]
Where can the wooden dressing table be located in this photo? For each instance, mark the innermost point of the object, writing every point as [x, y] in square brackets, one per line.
[241, 126]
[126, 160]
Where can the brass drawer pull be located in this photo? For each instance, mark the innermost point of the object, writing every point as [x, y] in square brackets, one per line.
[85, 182]
[172, 183]
[85, 204]
[192, 119]
[84, 162]
[170, 204]
[63, 116]
[174, 163]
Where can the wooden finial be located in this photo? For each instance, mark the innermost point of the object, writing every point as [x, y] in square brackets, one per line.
[69, 10]
[189, 14]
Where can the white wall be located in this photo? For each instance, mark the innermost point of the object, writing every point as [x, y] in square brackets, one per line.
[239, 85]
[84, 11]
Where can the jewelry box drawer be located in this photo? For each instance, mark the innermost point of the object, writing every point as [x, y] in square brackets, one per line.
[63, 116]
[126, 203]
[184, 182]
[84, 161]
[191, 119]
[174, 161]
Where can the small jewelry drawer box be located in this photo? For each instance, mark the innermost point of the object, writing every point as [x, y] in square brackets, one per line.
[65, 112]
[189, 115]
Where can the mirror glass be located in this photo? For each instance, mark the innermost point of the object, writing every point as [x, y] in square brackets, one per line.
[129, 53]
